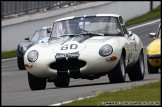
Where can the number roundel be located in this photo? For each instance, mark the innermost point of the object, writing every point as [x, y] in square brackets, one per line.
[69, 46]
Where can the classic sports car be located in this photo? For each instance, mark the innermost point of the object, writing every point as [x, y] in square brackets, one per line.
[41, 35]
[86, 47]
[154, 52]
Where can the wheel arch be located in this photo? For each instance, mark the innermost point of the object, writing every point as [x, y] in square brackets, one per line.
[123, 53]
[141, 51]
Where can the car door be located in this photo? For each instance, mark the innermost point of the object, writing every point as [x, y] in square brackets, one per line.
[131, 44]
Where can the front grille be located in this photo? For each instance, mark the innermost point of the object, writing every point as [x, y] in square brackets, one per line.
[65, 65]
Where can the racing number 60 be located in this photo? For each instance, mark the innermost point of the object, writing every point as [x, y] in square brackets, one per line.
[72, 46]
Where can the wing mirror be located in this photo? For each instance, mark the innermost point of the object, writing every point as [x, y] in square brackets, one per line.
[124, 22]
[49, 30]
[27, 39]
[130, 33]
[151, 35]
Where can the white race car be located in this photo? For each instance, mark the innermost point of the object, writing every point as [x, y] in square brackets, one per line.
[86, 47]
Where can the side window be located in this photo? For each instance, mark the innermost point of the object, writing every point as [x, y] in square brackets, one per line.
[123, 25]
[121, 20]
[125, 29]
[159, 31]
[35, 36]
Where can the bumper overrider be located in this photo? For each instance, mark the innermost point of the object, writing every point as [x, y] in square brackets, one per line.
[154, 56]
[74, 65]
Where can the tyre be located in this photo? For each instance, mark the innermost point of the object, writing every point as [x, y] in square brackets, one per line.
[20, 63]
[137, 72]
[118, 74]
[151, 69]
[62, 82]
[36, 83]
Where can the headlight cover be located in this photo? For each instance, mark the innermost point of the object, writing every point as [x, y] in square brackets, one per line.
[23, 48]
[105, 50]
[32, 56]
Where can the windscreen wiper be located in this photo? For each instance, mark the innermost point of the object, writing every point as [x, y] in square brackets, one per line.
[92, 34]
[53, 38]
[71, 35]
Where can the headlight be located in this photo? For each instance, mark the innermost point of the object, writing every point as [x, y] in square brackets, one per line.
[23, 49]
[32, 56]
[105, 50]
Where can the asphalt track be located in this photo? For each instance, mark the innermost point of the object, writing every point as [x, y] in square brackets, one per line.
[16, 91]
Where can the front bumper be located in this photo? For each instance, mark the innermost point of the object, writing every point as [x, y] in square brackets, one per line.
[48, 67]
[154, 60]
[154, 56]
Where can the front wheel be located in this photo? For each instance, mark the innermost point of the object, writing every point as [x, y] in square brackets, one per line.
[62, 82]
[36, 83]
[137, 72]
[118, 74]
[20, 63]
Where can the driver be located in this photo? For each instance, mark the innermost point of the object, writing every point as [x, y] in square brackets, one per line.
[74, 28]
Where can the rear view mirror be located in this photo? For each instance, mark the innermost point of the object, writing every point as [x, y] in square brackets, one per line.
[49, 30]
[84, 23]
[151, 35]
[27, 39]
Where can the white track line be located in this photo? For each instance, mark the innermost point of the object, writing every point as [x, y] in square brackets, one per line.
[8, 59]
[81, 98]
[145, 24]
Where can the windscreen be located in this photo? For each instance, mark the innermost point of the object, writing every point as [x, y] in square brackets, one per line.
[93, 24]
[40, 34]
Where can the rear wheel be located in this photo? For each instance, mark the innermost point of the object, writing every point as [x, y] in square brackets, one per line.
[151, 69]
[62, 82]
[118, 74]
[20, 63]
[36, 83]
[137, 72]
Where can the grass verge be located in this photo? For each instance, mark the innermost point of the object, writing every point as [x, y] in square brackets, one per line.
[148, 94]
[156, 13]
[149, 16]
[8, 54]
